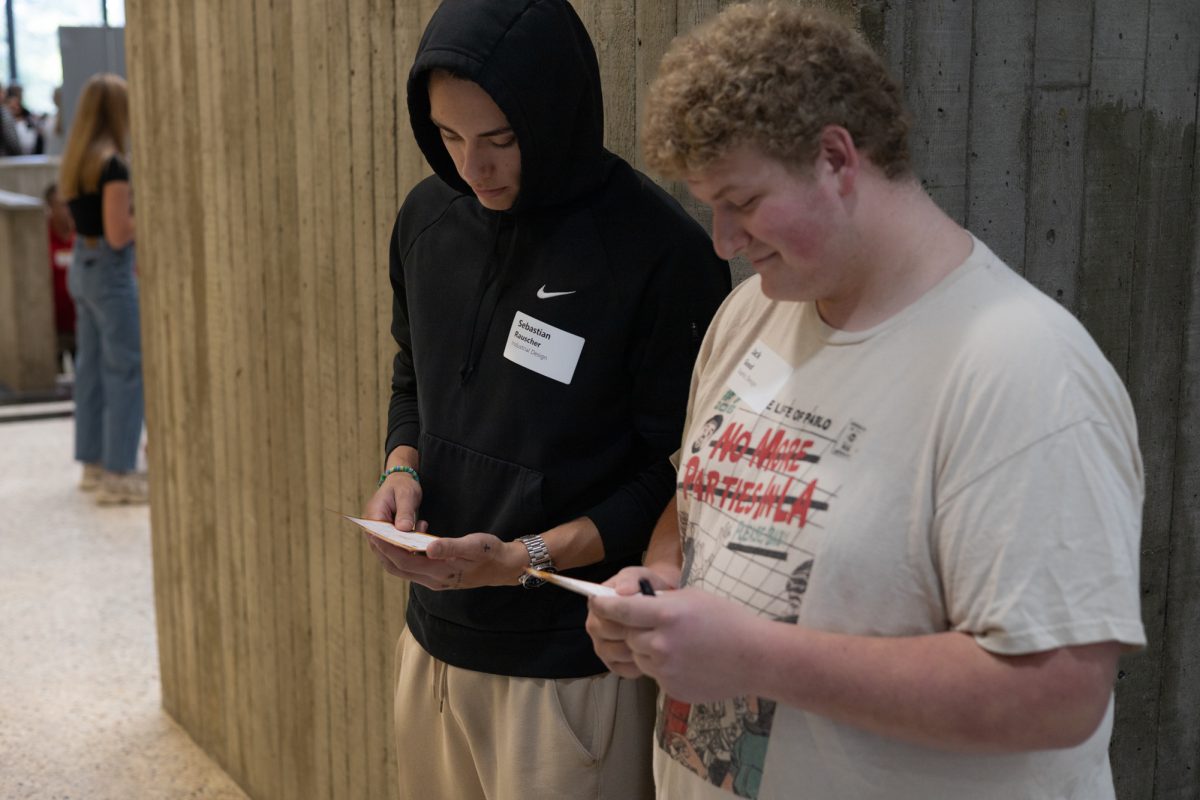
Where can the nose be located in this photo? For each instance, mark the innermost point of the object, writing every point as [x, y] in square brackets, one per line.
[476, 164]
[729, 237]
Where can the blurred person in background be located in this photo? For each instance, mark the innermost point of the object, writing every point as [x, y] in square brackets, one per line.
[10, 143]
[62, 245]
[28, 124]
[53, 130]
[14, 98]
[94, 181]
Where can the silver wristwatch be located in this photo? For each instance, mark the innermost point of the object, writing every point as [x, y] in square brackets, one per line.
[539, 558]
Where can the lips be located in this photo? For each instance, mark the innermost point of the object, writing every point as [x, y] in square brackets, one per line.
[491, 192]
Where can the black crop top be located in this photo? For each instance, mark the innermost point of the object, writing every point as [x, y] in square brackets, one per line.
[87, 208]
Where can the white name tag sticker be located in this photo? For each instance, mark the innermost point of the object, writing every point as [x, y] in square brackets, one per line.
[543, 348]
[759, 376]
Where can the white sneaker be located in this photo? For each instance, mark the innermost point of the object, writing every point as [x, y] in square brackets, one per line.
[123, 488]
[92, 475]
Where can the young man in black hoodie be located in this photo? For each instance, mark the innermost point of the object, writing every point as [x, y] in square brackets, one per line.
[549, 304]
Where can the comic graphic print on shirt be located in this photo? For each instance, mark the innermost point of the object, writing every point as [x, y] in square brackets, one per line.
[752, 493]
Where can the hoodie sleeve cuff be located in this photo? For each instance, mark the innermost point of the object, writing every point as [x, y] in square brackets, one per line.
[627, 517]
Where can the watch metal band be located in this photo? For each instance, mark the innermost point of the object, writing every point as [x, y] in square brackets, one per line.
[539, 558]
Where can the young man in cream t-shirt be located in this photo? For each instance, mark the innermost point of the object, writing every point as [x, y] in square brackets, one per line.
[909, 546]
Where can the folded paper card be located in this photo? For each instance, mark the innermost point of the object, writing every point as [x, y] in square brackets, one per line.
[573, 584]
[409, 540]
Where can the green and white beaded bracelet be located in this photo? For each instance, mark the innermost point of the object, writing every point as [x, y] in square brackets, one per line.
[409, 470]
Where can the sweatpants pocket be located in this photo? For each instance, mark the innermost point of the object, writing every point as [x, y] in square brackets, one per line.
[585, 710]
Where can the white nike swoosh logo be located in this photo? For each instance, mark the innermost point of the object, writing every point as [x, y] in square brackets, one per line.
[544, 295]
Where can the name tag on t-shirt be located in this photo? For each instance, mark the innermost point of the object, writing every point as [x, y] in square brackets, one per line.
[543, 348]
[759, 376]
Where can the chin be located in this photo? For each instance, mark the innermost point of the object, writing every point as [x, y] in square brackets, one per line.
[503, 203]
[774, 290]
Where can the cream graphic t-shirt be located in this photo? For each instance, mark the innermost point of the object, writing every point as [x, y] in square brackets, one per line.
[969, 465]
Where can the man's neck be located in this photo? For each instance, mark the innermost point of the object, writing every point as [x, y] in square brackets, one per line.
[903, 246]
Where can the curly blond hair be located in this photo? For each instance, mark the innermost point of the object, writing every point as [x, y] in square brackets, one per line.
[771, 76]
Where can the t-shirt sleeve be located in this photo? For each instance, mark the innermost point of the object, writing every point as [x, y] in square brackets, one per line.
[1041, 550]
[114, 170]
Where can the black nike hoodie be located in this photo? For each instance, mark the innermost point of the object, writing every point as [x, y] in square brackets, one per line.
[590, 247]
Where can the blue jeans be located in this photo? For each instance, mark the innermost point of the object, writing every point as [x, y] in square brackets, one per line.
[108, 360]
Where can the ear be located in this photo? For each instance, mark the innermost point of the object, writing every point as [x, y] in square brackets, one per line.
[840, 156]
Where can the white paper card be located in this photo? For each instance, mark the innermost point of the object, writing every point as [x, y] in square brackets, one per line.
[574, 584]
[543, 348]
[759, 376]
[409, 540]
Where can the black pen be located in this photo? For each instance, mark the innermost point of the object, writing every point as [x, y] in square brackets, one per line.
[645, 587]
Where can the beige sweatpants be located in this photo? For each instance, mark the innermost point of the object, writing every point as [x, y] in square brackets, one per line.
[464, 735]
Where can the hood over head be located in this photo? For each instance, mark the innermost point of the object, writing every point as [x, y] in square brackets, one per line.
[536, 61]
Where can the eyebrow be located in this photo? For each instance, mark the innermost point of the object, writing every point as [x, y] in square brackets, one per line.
[493, 132]
[721, 193]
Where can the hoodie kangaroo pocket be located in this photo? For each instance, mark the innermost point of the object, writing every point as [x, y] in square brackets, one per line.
[464, 491]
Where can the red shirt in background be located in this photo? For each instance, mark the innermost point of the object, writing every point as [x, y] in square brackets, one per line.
[60, 262]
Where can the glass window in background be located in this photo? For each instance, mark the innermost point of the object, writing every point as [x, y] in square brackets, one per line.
[39, 64]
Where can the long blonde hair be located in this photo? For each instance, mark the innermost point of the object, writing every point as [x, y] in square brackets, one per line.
[99, 131]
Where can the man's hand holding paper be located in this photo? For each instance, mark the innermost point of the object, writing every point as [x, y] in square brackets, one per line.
[467, 562]
[687, 640]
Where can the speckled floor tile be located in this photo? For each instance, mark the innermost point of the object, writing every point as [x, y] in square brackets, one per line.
[80, 714]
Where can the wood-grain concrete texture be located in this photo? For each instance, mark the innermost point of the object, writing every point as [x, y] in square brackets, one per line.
[27, 337]
[271, 151]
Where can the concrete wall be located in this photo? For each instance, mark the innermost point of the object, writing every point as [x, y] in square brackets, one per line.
[28, 175]
[271, 152]
[28, 350]
[27, 337]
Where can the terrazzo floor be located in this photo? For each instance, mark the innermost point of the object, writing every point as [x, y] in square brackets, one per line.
[80, 715]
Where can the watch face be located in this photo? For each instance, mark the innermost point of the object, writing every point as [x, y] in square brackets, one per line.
[530, 582]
